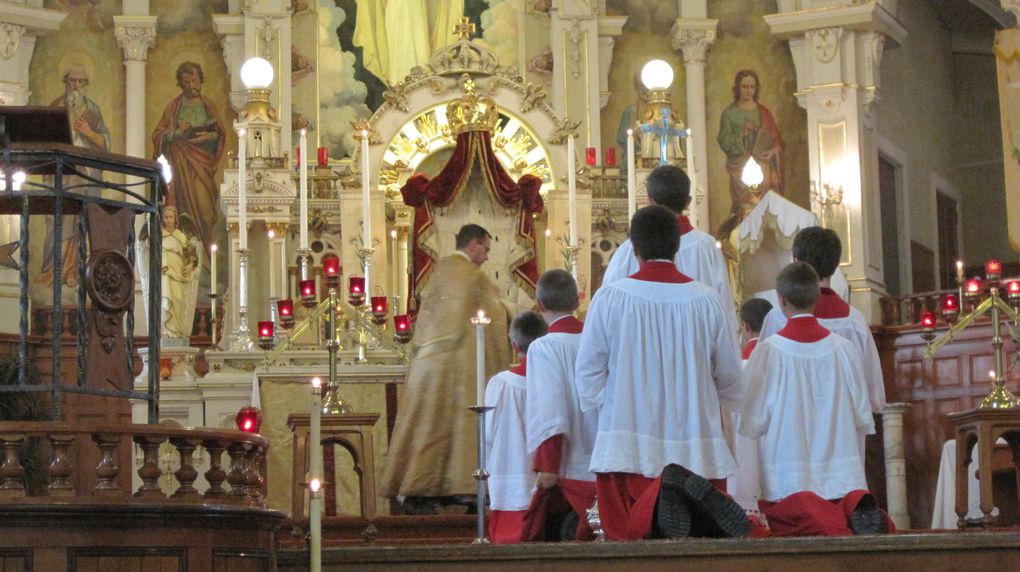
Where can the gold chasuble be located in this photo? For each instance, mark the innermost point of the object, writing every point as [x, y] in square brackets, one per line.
[433, 450]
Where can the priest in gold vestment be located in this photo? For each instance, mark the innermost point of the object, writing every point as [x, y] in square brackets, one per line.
[432, 454]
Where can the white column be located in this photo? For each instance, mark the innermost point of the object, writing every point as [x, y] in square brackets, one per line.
[895, 464]
[135, 35]
[837, 53]
[694, 37]
[20, 25]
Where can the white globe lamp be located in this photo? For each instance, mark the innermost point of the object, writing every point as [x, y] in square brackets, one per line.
[257, 73]
[657, 75]
[752, 175]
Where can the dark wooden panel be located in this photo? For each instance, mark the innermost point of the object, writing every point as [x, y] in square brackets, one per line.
[16, 560]
[237, 561]
[127, 559]
[922, 267]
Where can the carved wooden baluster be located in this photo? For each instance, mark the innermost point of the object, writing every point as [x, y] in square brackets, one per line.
[260, 470]
[60, 468]
[107, 469]
[187, 474]
[215, 475]
[252, 482]
[11, 470]
[149, 471]
[237, 477]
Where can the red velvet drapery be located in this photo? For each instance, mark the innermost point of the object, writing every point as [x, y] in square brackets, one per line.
[424, 195]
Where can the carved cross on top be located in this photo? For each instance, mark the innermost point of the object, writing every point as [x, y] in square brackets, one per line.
[464, 28]
[664, 130]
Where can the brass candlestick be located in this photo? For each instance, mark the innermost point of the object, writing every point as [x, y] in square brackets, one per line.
[1000, 397]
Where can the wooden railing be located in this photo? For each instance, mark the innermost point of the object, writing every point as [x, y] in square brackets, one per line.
[907, 309]
[236, 473]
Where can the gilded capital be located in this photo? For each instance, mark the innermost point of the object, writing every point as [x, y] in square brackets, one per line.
[135, 41]
[693, 43]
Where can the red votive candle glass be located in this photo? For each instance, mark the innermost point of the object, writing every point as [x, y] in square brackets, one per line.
[323, 156]
[248, 419]
[972, 288]
[307, 289]
[928, 320]
[402, 328]
[356, 290]
[266, 330]
[297, 158]
[590, 156]
[285, 308]
[611, 157]
[331, 269]
[379, 309]
[950, 306]
[993, 269]
[1013, 289]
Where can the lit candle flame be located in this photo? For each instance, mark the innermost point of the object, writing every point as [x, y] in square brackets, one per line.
[316, 382]
[213, 247]
[271, 234]
[314, 485]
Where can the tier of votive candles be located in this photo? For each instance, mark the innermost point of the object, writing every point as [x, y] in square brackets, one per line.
[591, 157]
[971, 289]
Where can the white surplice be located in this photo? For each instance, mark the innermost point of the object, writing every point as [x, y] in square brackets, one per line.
[808, 409]
[744, 484]
[511, 481]
[854, 328]
[656, 361]
[553, 406]
[698, 258]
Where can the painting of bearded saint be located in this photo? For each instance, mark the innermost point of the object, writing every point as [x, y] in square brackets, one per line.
[88, 130]
[747, 129]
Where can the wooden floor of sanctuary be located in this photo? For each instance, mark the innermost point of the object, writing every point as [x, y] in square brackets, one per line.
[997, 550]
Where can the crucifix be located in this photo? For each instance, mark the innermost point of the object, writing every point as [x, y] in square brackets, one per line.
[664, 130]
[464, 28]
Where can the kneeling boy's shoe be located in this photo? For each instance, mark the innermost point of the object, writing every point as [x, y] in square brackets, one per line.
[867, 518]
[673, 520]
[713, 513]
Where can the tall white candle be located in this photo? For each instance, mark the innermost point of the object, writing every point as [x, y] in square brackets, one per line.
[242, 191]
[273, 290]
[480, 321]
[959, 271]
[212, 268]
[315, 439]
[692, 170]
[631, 177]
[366, 211]
[303, 199]
[572, 191]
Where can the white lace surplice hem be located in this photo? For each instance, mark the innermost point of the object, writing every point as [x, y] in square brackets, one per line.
[625, 452]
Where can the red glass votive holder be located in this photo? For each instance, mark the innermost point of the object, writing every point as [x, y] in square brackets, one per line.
[1013, 290]
[380, 309]
[308, 296]
[248, 419]
[972, 288]
[285, 309]
[266, 334]
[356, 290]
[611, 157]
[993, 269]
[590, 156]
[331, 270]
[950, 306]
[927, 325]
[402, 328]
[323, 156]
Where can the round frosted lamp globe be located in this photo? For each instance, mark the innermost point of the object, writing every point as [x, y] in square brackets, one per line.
[752, 175]
[257, 73]
[657, 75]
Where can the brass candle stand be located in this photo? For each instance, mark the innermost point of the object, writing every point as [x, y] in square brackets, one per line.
[336, 313]
[481, 474]
[1000, 397]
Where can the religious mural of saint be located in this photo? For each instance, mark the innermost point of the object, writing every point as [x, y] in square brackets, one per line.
[191, 136]
[748, 129]
[88, 130]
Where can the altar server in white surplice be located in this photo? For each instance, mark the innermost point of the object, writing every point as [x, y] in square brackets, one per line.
[656, 360]
[698, 256]
[808, 409]
[743, 485]
[511, 482]
[560, 435]
[821, 249]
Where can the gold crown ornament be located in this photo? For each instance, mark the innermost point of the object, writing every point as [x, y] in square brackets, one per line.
[472, 112]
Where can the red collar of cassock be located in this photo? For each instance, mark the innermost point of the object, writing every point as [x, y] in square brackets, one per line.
[804, 329]
[745, 352]
[830, 305]
[685, 224]
[566, 325]
[521, 368]
[660, 271]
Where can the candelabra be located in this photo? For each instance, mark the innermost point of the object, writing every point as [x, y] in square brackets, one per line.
[240, 339]
[831, 195]
[1000, 397]
[365, 320]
